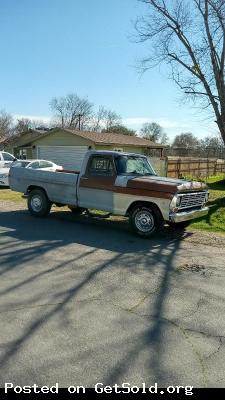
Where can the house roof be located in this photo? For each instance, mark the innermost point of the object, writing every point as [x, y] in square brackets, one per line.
[94, 137]
[114, 138]
[31, 135]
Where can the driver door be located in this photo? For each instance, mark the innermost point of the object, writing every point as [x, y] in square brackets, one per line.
[96, 186]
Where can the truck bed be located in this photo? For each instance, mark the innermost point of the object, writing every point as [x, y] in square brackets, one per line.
[60, 186]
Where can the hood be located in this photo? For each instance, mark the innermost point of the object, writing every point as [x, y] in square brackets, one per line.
[162, 184]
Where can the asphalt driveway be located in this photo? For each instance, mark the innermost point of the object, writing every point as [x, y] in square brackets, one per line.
[84, 301]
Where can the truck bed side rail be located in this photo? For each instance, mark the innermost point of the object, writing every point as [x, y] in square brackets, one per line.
[59, 187]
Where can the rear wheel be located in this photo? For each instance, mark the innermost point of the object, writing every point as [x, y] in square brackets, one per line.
[145, 221]
[38, 203]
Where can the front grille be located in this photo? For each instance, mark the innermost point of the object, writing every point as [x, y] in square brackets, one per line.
[191, 200]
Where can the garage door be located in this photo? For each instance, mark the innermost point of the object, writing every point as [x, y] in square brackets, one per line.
[70, 157]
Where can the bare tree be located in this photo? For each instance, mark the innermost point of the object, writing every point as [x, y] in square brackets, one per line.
[72, 111]
[212, 146]
[23, 125]
[6, 124]
[58, 106]
[189, 35]
[105, 119]
[164, 139]
[120, 129]
[112, 118]
[185, 140]
[184, 145]
[154, 132]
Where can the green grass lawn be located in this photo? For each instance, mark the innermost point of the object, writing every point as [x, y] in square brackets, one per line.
[7, 194]
[214, 222]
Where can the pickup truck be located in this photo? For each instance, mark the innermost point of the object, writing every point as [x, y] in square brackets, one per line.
[119, 183]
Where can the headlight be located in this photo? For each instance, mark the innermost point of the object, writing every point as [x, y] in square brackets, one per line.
[178, 201]
[175, 203]
[206, 197]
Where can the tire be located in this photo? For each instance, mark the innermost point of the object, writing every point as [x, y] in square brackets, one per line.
[145, 221]
[38, 203]
[76, 210]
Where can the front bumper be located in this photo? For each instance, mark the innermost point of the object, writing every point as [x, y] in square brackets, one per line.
[188, 215]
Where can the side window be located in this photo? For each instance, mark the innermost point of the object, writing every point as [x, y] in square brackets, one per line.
[101, 166]
[8, 157]
[45, 164]
[34, 165]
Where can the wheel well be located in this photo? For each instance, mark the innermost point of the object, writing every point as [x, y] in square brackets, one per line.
[149, 204]
[33, 187]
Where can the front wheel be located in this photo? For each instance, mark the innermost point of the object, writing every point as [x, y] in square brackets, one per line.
[145, 221]
[38, 203]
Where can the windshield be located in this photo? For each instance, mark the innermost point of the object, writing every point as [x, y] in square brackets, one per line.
[133, 165]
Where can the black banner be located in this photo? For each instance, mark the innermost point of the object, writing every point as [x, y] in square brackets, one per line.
[108, 392]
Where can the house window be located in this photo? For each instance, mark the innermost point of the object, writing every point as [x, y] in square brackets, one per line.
[22, 154]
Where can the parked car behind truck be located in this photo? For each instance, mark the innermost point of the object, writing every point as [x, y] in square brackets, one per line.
[4, 176]
[37, 164]
[44, 165]
[6, 159]
[119, 183]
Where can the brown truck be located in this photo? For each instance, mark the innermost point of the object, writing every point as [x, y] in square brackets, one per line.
[119, 183]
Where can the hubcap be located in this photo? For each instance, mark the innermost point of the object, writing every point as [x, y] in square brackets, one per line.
[36, 203]
[144, 221]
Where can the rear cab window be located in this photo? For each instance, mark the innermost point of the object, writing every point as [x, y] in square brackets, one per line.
[100, 166]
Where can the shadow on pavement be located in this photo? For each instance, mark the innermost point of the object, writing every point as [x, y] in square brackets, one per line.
[24, 238]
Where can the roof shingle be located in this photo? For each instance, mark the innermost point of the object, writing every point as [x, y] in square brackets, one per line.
[95, 137]
[114, 138]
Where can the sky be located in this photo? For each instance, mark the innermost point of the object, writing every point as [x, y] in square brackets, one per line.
[54, 47]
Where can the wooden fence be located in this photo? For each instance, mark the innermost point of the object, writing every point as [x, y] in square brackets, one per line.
[178, 167]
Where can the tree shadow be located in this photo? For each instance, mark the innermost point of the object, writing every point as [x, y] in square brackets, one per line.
[34, 238]
[219, 185]
[214, 206]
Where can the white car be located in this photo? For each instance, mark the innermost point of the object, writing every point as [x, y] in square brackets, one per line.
[4, 176]
[37, 164]
[6, 159]
[31, 164]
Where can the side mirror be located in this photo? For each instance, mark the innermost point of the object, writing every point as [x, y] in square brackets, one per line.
[15, 159]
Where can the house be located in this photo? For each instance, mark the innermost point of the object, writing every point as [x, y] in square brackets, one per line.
[67, 147]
